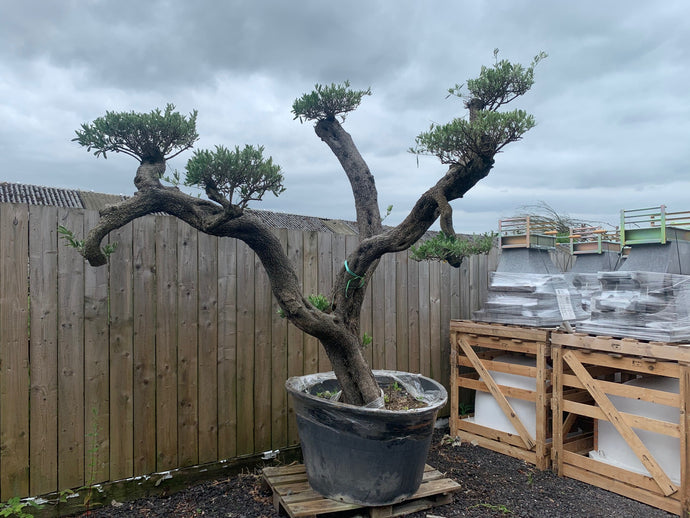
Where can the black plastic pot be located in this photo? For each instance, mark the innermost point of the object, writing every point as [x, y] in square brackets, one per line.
[360, 455]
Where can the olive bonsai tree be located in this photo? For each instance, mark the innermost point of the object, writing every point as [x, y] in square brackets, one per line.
[231, 178]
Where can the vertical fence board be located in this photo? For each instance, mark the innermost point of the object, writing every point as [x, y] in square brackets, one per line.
[43, 243]
[402, 329]
[208, 348]
[310, 285]
[166, 343]
[262, 358]
[14, 350]
[444, 345]
[295, 339]
[378, 305]
[70, 357]
[96, 369]
[412, 315]
[144, 344]
[389, 312]
[435, 319]
[245, 350]
[227, 348]
[424, 320]
[325, 286]
[279, 367]
[187, 352]
[455, 293]
[121, 356]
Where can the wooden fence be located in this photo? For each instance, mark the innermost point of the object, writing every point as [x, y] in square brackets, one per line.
[173, 355]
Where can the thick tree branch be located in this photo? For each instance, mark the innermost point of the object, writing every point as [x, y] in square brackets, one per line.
[357, 171]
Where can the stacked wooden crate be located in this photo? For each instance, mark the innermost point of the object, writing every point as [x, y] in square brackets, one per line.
[601, 365]
[474, 347]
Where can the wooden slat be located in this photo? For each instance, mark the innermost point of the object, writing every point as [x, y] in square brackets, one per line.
[262, 358]
[497, 394]
[509, 392]
[310, 286]
[490, 434]
[632, 420]
[389, 312]
[558, 432]
[627, 363]
[424, 319]
[614, 417]
[208, 348]
[444, 346]
[295, 338]
[121, 356]
[43, 243]
[70, 357]
[684, 410]
[662, 351]
[187, 346]
[14, 350]
[166, 343]
[402, 339]
[614, 479]
[227, 348]
[412, 315]
[245, 349]
[279, 368]
[144, 344]
[378, 287]
[435, 319]
[325, 286]
[618, 389]
[96, 369]
[534, 334]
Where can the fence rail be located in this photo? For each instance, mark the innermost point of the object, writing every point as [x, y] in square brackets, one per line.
[174, 355]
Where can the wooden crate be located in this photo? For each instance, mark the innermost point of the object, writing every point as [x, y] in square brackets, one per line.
[474, 345]
[292, 494]
[600, 365]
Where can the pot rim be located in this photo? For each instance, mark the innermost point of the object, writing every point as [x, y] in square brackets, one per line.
[293, 386]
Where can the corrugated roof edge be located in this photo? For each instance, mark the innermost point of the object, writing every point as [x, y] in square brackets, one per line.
[76, 199]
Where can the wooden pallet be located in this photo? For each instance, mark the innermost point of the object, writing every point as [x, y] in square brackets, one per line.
[292, 494]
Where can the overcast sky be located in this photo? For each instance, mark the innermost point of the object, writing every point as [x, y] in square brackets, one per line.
[611, 101]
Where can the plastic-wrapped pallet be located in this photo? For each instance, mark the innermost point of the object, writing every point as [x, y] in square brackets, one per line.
[530, 299]
[586, 284]
[642, 305]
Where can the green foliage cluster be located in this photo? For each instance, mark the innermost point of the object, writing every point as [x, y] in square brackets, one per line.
[488, 130]
[15, 506]
[500, 84]
[241, 173]
[78, 244]
[457, 141]
[452, 249]
[328, 102]
[149, 137]
[320, 302]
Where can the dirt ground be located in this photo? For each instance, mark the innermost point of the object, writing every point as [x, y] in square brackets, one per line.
[493, 485]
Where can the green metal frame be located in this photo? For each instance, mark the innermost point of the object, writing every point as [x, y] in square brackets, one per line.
[653, 225]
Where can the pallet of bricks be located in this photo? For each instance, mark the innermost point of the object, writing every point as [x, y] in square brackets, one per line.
[639, 395]
[483, 357]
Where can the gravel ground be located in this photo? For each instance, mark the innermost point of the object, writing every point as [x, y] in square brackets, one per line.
[493, 485]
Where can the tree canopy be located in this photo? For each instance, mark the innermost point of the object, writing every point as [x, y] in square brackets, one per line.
[148, 137]
[231, 178]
